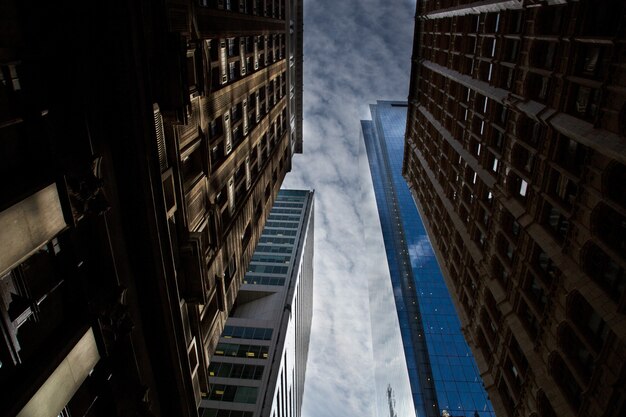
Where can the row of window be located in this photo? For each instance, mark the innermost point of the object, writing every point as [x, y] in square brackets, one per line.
[280, 232]
[214, 412]
[294, 212]
[232, 393]
[277, 240]
[242, 351]
[266, 8]
[595, 20]
[292, 218]
[232, 59]
[230, 129]
[268, 269]
[276, 259]
[254, 280]
[241, 332]
[273, 249]
[284, 203]
[235, 370]
[288, 225]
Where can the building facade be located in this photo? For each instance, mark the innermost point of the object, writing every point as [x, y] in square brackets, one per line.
[258, 368]
[141, 148]
[515, 154]
[442, 370]
[392, 387]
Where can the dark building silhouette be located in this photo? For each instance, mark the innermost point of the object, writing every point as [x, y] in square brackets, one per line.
[515, 154]
[142, 145]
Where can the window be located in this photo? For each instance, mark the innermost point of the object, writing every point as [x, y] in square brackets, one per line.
[268, 269]
[232, 393]
[223, 62]
[556, 222]
[260, 280]
[235, 370]
[242, 351]
[213, 412]
[231, 195]
[570, 154]
[589, 323]
[563, 188]
[230, 272]
[247, 234]
[276, 259]
[543, 406]
[605, 271]
[228, 139]
[613, 181]
[584, 102]
[240, 332]
[576, 352]
[565, 380]
[536, 293]
[610, 226]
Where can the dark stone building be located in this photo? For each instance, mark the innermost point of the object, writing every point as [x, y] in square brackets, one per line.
[142, 145]
[516, 157]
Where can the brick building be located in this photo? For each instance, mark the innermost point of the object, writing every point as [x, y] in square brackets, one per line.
[142, 145]
[516, 157]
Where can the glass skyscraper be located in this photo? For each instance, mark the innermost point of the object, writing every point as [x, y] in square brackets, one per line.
[442, 371]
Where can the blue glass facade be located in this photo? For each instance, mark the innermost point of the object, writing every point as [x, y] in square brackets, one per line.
[442, 370]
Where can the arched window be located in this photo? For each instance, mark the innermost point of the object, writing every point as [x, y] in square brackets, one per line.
[604, 270]
[610, 226]
[498, 271]
[614, 178]
[522, 158]
[622, 121]
[588, 323]
[576, 351]
[565, 380]
[544, 408]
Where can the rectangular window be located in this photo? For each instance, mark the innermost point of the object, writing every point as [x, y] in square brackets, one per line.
[248, 173]
[268, 269]
[233, 393]
[260, 280]
[231, 195]
[242, 55]
[244, 106]
[241, 332]
[241, 351]
[256, 53]
[228, 137]
[223, 62]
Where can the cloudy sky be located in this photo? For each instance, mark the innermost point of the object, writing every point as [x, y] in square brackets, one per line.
[355, 52]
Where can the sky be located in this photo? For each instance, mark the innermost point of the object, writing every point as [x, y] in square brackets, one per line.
[355, 52]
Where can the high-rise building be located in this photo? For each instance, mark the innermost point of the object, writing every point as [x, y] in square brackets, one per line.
[442, 370]
[392, 387]
[259, 365]
[142, 145]
[516, 157]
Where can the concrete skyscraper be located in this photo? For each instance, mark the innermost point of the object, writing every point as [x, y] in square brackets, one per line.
[442, 371]
[142, 145]
[259, 364]
[516, 157]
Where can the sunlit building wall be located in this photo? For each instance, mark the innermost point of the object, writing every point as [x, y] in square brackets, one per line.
[259, 365]
[442, 370]
[516, 156]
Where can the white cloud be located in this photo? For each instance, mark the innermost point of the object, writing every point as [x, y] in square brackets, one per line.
[354, 53]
